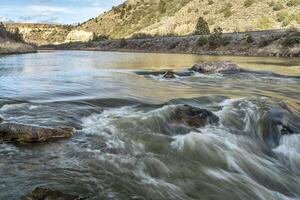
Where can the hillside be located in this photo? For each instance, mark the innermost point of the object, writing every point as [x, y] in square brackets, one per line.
[169, 17]
[162, 17]
[12, 42]
[41, 33]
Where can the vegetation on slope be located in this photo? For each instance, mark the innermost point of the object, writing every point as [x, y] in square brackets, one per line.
[12, 42]
[179, 17]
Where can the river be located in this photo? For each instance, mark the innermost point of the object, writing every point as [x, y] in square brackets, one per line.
[124, 147]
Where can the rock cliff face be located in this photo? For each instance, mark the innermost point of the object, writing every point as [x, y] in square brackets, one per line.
[41, 34]
[79, 36]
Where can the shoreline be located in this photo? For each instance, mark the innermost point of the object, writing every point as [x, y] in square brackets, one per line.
[270, 44]
[205, 53]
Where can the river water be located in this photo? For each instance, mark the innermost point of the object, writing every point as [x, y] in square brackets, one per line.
[124, 147]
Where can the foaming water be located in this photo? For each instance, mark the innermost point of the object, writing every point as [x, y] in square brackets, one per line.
[126, 144]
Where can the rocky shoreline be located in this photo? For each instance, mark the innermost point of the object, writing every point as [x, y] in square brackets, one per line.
[268, 43]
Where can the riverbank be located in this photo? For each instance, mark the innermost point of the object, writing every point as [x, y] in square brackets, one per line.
[9, 47]
[280, 43]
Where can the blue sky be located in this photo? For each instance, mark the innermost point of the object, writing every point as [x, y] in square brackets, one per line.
[53, 11]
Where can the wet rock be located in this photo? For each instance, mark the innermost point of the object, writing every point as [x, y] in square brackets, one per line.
[277, 123]
[169, 75]
[216, 67]
[194, 117]
[29, 134]
[1, 120]
[47, 194]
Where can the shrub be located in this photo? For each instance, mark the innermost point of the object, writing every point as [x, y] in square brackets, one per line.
[296, 17]
[206, 12]
[215, 39]
[265, 41]
[265, 23]
[210, 2]
[123, 43]
[100, 37]
[141, 36]
[248, 3]
[292, 3]
[17, 36]
[226, 40]
[292, 39]
[202, 27]
[202, 41]
[162, 7]
[226, 10]
[278, 6]
[249, 39]
[282, 16]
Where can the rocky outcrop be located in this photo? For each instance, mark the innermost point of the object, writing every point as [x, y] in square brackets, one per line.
[193, 116]
[41, 34]
[12, 132]
[48, 194]
[216, 67]
[80, 36]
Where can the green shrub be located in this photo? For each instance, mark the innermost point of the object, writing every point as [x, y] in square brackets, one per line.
[215, 39]
[265, 41]
[162, 7]
[17, 36]
[210, 2]
[226, 10]
[295, 17]
[248, 3]
[141, 36]
[202, 27]
[249, 39]
[123, 43]
[292, 3]
[292, 39]
[226, 40]
[202, 41]
[278, 6]
[265, 23]
[282, 16]
[100, 37]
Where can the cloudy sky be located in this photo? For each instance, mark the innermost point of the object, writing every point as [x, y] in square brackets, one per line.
[53, 11]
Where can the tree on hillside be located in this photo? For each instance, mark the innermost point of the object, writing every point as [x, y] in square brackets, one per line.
[162, 7]
[202, 27]
[17, 36]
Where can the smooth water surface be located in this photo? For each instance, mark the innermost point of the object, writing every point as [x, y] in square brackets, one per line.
[124, 147]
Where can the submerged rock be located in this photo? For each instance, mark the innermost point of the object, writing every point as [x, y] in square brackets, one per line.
[47, 194]
[169, 75]
[216, 67]
[194, 117]
[30, 134]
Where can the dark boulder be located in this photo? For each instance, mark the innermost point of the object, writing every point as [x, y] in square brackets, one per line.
[216, 67]
[47, 194]
[169, 75]
[29, 134]
[194, 117]
[1, 120]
